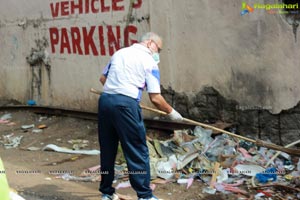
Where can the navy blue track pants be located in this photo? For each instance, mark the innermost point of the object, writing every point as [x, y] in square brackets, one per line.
[120, 119]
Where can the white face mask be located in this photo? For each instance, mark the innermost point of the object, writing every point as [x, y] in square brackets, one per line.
[156, 58]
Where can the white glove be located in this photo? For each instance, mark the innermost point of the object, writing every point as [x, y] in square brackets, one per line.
[175, 116]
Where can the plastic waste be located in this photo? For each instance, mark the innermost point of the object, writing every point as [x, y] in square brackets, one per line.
[185, 159]
[222, 176]
[221, 146]
[219, 187]
[4, 121]
[204, 135]
[245, 153]
[182, 181]
[259, 195]
[65, 150]
[11, 141]
[229, 150]
[232, 188]
[69, 177]
[79, 144]
[31, 102]
[298, 165]
[285, 155]
[37, 130]
[190, 182]
[279, 164]
[246, 145]
[125, 184]
[6, 116]
[27, 126]
[209, 190]
[42, 118]
[288, 165]
[268, 175]
[249, 170]
[166, 169]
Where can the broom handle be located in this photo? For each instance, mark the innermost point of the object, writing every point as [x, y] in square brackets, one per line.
[257, 142]
[199, 124]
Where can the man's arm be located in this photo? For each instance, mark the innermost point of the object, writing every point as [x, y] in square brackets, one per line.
[160, 102]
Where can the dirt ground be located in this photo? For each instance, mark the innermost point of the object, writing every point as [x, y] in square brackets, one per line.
[33, 174]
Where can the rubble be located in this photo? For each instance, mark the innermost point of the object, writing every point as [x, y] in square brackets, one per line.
[224, 164]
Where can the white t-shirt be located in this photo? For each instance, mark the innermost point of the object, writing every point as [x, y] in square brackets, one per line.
[130, 70]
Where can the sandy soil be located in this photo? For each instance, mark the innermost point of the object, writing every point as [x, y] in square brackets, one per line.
[32, 173]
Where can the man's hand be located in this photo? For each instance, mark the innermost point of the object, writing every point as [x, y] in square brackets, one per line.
[102, 79]
[175, 116]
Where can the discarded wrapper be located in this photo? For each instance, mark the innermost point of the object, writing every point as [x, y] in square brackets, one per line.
[65, 150]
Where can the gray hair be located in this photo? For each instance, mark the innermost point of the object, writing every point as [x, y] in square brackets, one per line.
[150, 36]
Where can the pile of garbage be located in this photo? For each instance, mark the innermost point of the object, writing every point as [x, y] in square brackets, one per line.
[224, 164]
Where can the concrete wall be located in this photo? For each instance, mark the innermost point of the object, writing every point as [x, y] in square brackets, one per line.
[253, 59]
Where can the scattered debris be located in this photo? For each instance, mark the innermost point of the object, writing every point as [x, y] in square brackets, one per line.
[35, 130]
[27, 126]
[78, 144]
[249, 170]
[223, 163]
[11, 141]
[42, 118]
[5, 119]
[6, 116]
[53, 147]
[69, 177]
[268, 175]
[42, 126]
[123, 185]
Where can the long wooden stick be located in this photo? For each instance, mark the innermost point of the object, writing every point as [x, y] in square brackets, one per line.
[257, 142]
[278, 152]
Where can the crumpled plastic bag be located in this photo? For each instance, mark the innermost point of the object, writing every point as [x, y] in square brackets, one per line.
[268, 175]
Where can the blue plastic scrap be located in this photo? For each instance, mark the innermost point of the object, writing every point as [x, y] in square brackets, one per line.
[270, 174]
[31, 102]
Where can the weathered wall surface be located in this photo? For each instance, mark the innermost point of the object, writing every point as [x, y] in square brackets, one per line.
[54, 51]
[252, 59]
